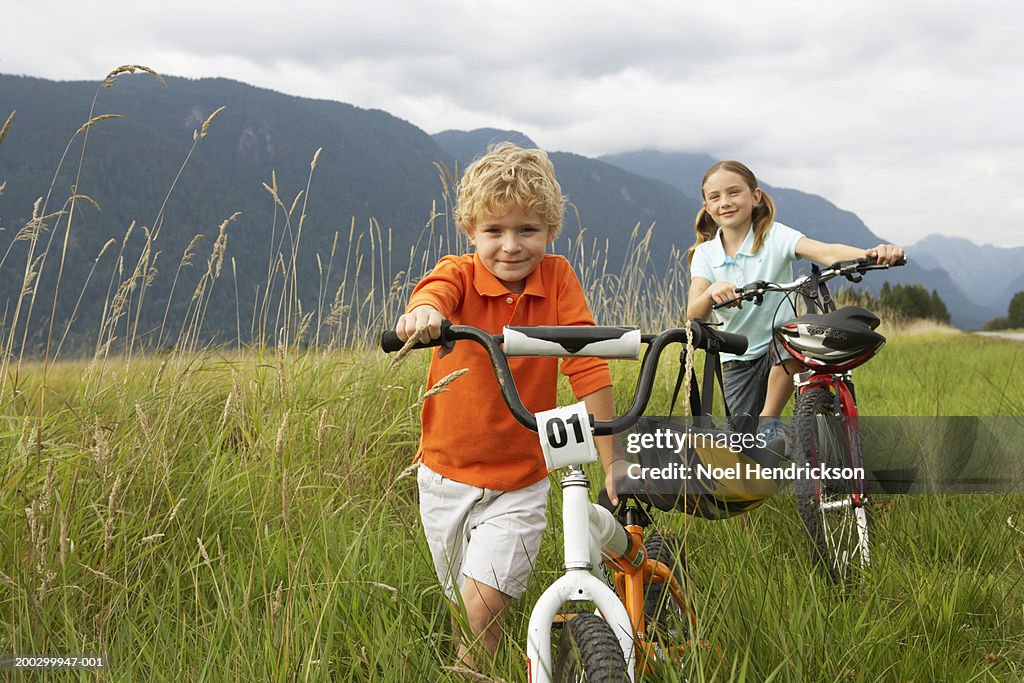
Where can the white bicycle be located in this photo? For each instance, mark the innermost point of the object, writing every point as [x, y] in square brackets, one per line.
[645, 618]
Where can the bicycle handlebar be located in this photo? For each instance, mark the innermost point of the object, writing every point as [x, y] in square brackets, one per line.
[851, 269]
[588, 340]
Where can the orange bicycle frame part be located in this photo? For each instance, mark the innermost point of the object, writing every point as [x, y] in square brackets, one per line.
[632, 575]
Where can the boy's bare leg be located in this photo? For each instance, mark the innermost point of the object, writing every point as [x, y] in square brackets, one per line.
[780, 387]
[485, 613]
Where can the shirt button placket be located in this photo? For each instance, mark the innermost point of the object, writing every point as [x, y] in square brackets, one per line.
[511, 301]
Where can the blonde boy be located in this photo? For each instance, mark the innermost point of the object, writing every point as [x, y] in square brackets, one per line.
[482, 479]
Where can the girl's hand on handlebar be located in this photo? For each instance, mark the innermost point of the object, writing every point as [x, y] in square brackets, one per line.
[723, 291]
[426, 317]
[886, 254]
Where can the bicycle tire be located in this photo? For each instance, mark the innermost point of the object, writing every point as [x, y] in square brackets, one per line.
[837, 526]
[660, 610]
[588, 651]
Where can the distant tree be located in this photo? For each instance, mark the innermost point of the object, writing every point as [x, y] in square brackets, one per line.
[913, 301]
[1014, 316]
[938, 308]
[997, 324]
[1016, 312]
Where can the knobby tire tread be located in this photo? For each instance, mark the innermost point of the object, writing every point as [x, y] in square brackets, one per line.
[656, 596]
[588, 651]
[813, 403]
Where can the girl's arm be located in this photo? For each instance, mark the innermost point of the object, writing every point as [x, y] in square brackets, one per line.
[698, 303]
[703, 293]
[827, 254]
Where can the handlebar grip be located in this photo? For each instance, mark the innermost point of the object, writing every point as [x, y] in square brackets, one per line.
[866, 261]
[728, 342]
[564, 342]
[716, 306]
[390, 343]
[713, 340]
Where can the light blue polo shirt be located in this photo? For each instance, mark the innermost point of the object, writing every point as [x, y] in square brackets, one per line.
[772, 262]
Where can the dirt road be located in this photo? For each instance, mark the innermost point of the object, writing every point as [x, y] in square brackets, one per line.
[1016, 336]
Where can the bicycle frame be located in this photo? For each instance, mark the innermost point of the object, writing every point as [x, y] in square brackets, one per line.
[630, 582]
[625, 610]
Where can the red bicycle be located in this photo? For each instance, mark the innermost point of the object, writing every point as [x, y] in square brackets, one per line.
[830, 342]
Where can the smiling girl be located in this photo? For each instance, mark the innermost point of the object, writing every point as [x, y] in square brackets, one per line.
[738, 242]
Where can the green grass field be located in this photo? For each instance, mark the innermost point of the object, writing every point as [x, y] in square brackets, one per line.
[245, 517]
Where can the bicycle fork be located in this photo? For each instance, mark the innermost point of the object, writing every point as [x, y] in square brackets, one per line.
[577, 584]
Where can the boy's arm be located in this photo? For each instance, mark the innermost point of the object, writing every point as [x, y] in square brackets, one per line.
[601, 404]
[431, 302]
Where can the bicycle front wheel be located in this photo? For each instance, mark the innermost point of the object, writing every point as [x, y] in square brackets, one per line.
[831, 508]
[588, 651]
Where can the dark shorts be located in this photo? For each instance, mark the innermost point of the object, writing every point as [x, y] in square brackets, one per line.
[745, 383]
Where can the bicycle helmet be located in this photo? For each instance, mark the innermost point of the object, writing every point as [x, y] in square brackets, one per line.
[835, 342]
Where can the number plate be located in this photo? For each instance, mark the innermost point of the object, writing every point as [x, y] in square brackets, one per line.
[565, 436]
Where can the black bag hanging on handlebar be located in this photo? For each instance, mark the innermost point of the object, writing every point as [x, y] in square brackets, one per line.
[697, 450]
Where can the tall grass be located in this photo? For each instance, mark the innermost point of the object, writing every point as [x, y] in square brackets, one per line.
[249, 513]
[217, 516]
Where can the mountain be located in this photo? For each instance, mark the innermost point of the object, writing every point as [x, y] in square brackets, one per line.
[819, 219]
[467, 146]
[372, 166]
[809, 213]
[375, 174]
[992, 275]
[373, 169]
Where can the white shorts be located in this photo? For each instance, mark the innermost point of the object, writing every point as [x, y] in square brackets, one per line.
[490, 536]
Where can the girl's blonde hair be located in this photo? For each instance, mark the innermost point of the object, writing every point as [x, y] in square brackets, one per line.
[510, 177]
[762, 217]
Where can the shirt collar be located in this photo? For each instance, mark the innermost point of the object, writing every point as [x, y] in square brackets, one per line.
[487, 285]
[718, 255]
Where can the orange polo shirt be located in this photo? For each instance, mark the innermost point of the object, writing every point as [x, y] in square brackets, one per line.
[469, 435]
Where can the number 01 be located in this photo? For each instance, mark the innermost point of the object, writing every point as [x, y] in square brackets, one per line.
[558, 432]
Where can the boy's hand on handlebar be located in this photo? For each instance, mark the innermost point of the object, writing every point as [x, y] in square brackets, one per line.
[616, 471]
[886, 254]
[425, 318]
[721, 292]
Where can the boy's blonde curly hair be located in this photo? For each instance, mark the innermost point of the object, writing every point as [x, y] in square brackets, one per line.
[507, 177]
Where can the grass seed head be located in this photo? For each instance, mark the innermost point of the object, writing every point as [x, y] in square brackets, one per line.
[206, 124]
[3, 131]
[96, 119]
[111, 77]
[439, 387]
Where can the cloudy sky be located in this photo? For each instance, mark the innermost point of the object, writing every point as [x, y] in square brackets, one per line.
[910, 114]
